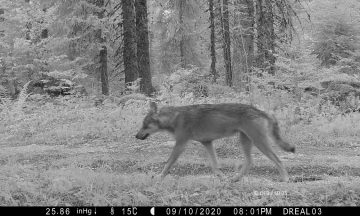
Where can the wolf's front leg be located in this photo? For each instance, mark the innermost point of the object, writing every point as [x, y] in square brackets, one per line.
[213, 159]
[177, 150]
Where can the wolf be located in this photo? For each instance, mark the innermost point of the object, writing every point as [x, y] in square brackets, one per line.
[207, 122]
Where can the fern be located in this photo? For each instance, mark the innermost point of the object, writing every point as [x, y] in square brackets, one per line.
[5, 101]
[22, 98]
[4, 94]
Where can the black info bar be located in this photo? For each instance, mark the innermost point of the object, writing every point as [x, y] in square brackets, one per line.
[178, 210]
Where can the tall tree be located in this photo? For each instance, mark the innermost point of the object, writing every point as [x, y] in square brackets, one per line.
[244, 38]
[183, 62]
[2, 20]
[270, 54]
[265, 36]
[178, 35]
[45, 31]
[143, 55]
[226, 43]
[103, 70]
[212, 41]
[129, 33]
[103, 52]
[1, 13]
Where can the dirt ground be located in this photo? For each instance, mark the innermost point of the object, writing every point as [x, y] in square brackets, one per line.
[125, 172]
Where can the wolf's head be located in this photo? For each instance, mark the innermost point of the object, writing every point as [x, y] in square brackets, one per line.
[156, 121]
[151, 123]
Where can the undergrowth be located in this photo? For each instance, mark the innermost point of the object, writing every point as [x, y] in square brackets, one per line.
[67, 151]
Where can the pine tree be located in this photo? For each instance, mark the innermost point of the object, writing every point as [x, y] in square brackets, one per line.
[129, 34]
[143, 55]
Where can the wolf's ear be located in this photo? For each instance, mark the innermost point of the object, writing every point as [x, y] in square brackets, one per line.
[153, 107]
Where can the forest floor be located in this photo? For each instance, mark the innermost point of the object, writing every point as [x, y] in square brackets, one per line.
[87, 156]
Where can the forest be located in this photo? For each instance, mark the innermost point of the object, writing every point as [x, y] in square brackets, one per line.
[77, 78]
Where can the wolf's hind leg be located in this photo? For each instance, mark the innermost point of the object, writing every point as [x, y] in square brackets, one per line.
[246, 144]
[259, 133]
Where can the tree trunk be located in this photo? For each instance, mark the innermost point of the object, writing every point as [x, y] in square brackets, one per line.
[265, 36]
[103, 68]
[212, 41]
[44, 32]
[143, 55]
[270, 55]
[261, 35]
[247, 45]
[103, 71]
[2, 11]
[182, 36]
[226, 45]
[129, 51]
[2, 19]
[237, 41]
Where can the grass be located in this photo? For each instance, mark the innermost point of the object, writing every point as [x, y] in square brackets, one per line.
[74, 153]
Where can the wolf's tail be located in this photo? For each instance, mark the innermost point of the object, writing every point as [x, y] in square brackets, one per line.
[284, 145]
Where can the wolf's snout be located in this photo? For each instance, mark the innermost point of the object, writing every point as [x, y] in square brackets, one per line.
[292, 149]
[141, 136]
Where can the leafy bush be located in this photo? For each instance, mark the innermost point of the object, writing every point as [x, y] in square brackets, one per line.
[337, 34]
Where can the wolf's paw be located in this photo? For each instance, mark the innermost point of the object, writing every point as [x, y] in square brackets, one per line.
[236, 178]
[284, 179]
[221, 176]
